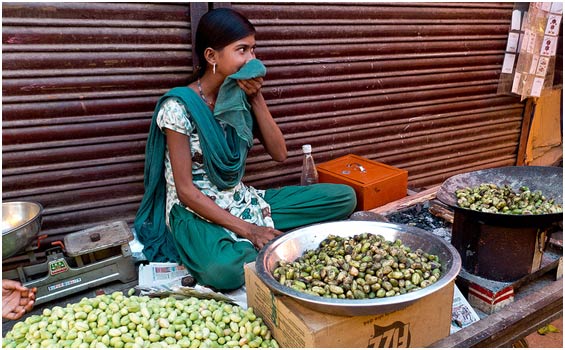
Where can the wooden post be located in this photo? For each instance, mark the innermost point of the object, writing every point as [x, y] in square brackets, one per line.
[529, 111]
[197, 10]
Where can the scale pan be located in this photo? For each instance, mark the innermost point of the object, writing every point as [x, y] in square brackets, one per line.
[21, 222]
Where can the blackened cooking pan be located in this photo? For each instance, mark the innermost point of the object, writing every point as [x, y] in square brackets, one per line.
[548, 180]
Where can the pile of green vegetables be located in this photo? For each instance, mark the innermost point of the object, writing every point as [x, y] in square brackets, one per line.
[491, 198]
[120, 321]
[364, 266]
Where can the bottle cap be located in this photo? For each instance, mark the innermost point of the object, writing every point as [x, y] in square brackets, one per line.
[306, 148]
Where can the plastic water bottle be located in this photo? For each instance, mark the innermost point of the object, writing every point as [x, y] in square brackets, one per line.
[309, 173]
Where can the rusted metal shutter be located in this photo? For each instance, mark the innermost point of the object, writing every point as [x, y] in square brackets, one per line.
[412, 85]
[80, 82]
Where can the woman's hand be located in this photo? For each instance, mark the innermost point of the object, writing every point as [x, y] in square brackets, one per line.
[16, 299]
[266, 129]
[261, 235]
[251, 87]
[192, 197]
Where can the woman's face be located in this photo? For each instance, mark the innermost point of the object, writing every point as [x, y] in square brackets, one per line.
[232, 57]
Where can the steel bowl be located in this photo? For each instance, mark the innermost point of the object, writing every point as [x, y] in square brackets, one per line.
[292, 244]
[21, 222]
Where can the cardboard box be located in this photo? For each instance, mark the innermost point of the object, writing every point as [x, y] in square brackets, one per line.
[375, 183]
[296, 326]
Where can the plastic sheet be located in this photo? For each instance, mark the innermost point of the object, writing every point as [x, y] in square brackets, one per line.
[529, 61]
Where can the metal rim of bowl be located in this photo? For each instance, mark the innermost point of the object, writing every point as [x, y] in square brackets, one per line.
[362, 305]
[28, 222]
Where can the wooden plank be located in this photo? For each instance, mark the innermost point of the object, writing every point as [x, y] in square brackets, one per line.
[529, 111]
[441, 211]
[512, 323]
[197, 10]
[407, 201]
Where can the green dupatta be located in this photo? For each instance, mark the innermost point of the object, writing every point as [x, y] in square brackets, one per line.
[224, 155]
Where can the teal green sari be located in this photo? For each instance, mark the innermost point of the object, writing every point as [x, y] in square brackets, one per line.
[224, 153]
[206, 249]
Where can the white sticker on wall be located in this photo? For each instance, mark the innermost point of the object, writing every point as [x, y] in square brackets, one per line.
[548, 46]
[524, 21]
[557, 7]
[534, 65]
[508, 64]
[537, 86]
[531, 43]
[521, 40]
[546, 6]
[516, 83]
[512, 45]
[552, 27]
[516, 20]
[525, 40]
[542, 66]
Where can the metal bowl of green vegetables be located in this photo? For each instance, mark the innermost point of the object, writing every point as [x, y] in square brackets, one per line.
[546, 180]
[298, 244]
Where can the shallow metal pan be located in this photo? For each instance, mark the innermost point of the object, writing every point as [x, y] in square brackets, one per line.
[21, 222]
[549, 180]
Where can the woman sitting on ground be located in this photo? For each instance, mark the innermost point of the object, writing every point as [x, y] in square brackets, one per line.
[195, 210]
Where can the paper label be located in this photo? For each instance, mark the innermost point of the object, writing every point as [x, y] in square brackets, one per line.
[528, 42]
[516, 83]
[64, 284]
[557, 7]
[508, 64]
[549, 46]
[552, 27]
[516, 19]
[521, 40]
[542, 66]
[536, 87]
[534, 65]
[524, 42]
[513, 39]
[531, 43]
[524, 21]
[546, 6]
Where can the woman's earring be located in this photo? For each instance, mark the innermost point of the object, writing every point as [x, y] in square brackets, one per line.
[214, 69]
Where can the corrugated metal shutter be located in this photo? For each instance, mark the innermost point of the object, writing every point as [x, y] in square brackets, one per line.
[412, 85]
[80, 82]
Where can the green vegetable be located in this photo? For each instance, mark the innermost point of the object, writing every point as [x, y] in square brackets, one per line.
[364, 266]
[110, 321]
[491, 198]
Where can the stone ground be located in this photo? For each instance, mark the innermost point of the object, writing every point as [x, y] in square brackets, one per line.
[550, 340]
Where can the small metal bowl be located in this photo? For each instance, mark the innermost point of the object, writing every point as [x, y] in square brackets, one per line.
[291, 245]
[21, 222]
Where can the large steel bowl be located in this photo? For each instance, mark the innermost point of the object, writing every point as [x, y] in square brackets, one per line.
[291, 245]
[21, 222]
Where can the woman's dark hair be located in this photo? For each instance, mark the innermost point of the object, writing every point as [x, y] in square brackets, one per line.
[217, 29]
